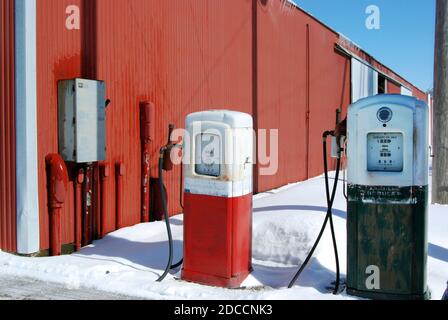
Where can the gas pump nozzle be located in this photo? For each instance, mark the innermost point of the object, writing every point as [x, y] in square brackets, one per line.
[165, 151]
[338, 136]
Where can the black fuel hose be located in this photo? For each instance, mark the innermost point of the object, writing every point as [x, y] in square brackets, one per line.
[330, 202]
[328, 217]
[330, 214]
[165, 214]
[176, 265]
[169, 266]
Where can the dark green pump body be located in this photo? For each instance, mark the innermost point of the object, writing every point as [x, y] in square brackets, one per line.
[387, 208]
[388, 229]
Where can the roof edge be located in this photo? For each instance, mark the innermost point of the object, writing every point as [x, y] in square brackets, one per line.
[355, 45]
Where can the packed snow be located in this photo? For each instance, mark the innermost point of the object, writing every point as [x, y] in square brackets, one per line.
[285, 224]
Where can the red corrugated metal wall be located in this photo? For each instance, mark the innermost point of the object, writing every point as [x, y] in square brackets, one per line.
[420, 94]
[183, 56]
[264, 57]
[7, 129]
[329, 90]
[393, 88]
[282, 88]
[300, 79]
[59, 57]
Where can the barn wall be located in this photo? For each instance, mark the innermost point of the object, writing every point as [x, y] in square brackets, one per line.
[282, 88]
[300, 78]
[329, 90]
[180, 56]
[393, 88]
[263, 57]
[59, 57]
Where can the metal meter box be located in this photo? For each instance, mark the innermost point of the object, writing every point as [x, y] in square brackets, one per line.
[81, 120]
[387, 198]
[218, 158]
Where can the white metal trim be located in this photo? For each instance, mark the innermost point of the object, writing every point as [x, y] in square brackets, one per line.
[356, 57]
[364, 81]
[26, 128]
[405, 91]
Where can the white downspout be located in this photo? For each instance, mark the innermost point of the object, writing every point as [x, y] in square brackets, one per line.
[26, 128]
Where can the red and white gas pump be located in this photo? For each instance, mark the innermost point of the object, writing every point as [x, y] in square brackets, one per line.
[218, 159]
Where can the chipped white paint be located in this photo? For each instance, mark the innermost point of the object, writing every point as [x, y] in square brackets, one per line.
[222, 167]
[410, 118]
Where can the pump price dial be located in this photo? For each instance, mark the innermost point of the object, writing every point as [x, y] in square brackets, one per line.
[207, 155]
[385, 152]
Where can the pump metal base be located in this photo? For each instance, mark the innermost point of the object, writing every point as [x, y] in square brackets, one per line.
[387, 230]
[375, 295]
[214, 281]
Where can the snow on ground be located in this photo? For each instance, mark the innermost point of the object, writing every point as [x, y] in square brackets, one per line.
[286, 223]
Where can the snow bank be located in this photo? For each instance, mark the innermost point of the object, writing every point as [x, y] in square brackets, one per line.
[285, 237]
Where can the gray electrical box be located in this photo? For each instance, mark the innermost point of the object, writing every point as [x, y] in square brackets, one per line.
[81, 120]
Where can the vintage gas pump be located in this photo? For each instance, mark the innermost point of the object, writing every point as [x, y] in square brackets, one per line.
[387, 198]
[218, 155]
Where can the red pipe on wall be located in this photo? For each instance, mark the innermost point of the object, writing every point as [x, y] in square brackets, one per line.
[105, 173]
[146, 135]
[78, 208]
[87, 216]
[145, 181]
[57, 190]
[96, 202]
[119, 173]
[55, 232]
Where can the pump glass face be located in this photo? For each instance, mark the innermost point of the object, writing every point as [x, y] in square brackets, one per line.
[385, 152]
[207, 155]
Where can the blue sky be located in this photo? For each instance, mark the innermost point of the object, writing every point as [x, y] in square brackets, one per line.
[405, 41]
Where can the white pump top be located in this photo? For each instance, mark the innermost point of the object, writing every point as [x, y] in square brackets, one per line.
[388, 141]
[234, 119]
[218, 153]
